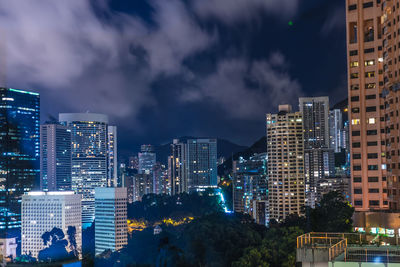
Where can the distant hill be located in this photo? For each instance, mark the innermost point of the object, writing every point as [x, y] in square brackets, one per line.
[259, 146]
[225, 148]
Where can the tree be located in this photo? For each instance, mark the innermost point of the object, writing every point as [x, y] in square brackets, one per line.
[333, 214]
[56, 250]
[71, 232]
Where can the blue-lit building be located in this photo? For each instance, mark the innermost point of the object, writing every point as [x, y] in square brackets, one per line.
[250, 186]
[111, 231]
[147, 159]
[201, 163]
[19, 152]
[55, 157]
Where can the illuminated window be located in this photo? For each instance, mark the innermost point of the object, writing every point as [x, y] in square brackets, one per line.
[355, 122]
[369, 62]
[370, 85]
[370, 74]
[371, 121]
[353, 64]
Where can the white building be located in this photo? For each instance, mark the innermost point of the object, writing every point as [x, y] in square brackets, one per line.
[111, 231]
[8, 249]
[42, 211]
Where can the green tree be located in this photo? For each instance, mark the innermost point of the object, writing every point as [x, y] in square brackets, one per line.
[333, 214]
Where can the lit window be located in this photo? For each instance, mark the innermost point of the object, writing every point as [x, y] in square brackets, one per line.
[370, 74]
[371, 121]
[369, 62]
[355, 122]
[353, 64]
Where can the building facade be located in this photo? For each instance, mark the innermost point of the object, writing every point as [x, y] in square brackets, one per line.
[112, 146]
[285, 150]
[250, 182]
[89, 157]
[201, 163]
[177, 167]
[318, 157]
[42, 211]
[335, 130]
[55, 157]
[147, 159]
[111, 231]
[19, 152]
[391, 96]
[369, 46]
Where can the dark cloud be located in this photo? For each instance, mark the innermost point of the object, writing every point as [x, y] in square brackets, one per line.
[162, 69]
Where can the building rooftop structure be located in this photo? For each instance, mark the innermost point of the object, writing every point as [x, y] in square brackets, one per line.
[346, 249]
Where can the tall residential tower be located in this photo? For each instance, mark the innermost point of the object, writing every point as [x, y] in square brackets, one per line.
[285, 150]
[369, 44]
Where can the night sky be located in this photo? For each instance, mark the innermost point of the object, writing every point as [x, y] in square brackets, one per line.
[168, 68]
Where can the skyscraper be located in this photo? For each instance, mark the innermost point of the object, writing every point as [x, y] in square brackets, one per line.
[201, 163]
[390, 101]
[42, 211]
[89, 157]
[112, 156]
[55, 157]
[318, 158]
[285, 149]
[250, 182]
[370, 74]
[111, 231]
[177, 167]
[335, 130]
[19, 151]
[147, 159]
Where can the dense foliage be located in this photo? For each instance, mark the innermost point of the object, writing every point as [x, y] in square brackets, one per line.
[56, 243]
[154, 208]
[218, 239]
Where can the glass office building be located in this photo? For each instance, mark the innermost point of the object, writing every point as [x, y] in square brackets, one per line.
[19, 152]
[89, 157]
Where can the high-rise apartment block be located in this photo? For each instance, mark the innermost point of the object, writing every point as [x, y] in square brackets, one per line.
[112, 156]
[55, 157]
[318, 157]
[250, 182]
[42, 211]
[285, 149]
[89, 157]
[391, 95]
[147, 159]
[372, 74]
[201, 163]
[111, 231]
[19, 152]
[335, 130]
[177, 167]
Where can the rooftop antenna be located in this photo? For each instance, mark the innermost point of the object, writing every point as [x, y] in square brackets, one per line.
[3, 58]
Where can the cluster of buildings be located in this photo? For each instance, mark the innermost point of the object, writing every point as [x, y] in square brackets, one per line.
[373, 60]
[307, 156]
[58, 174]
[192, 166]
[65, 174]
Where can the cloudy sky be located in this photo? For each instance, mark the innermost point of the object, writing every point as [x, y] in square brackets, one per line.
[168, 68]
